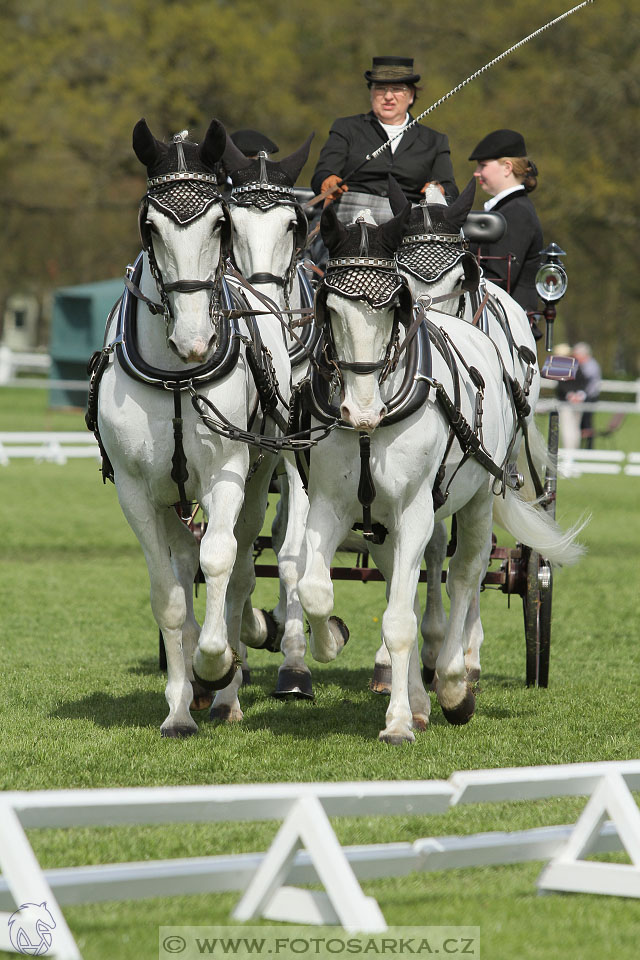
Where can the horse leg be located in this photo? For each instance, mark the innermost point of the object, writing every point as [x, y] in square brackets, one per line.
[245, 625]
[473, 630]
[168, 602]
[434, 620]
[326, 528]
[465, 570]
[185, 557]
[399, 627]
[214, 661]
[294, 676]
[419, 701]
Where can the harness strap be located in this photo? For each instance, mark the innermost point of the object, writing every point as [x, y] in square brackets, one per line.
[179, 471]
[157, 309]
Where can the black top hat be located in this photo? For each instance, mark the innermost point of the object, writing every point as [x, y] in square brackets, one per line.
[251, 142]
[500, 143]
[391, 70]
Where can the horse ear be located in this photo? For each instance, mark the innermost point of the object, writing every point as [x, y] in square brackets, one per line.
[397, 198]
[293, 164]
[331, 228]
[213, 145]
[234, 159]
[392, 231]
[458, 211]
[147, 149]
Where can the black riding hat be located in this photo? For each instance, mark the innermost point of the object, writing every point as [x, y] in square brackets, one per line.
[391, 70]
[251, 142]
[500, 143]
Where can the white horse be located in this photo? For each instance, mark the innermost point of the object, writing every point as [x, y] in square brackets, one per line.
[175, 397]
[437, 267]
[387, 474]
[269, 230]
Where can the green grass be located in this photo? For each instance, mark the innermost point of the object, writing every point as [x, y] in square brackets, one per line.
[82, 702]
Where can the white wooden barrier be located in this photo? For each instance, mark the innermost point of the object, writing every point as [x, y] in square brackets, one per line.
[610, 821]
[14, 362]
[52, 447]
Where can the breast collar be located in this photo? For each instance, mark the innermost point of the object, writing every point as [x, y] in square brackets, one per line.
[133, 363]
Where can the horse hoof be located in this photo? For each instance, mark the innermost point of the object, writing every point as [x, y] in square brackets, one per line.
[220, 684]
[342, 627]
[395, 739]
[202, 698]
[246, 676]
[293, 685]
[428, 675]
[272, 643]
[224, 714]
[463, 712]
[473, 675]
[179, 732]
[381, 680]
[420, 724]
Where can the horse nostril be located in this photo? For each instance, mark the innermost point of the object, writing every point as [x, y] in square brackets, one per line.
[172, 346]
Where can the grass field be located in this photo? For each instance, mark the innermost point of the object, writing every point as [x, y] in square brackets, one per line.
[82, 702]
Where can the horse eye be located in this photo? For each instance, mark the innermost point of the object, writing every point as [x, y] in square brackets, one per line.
[151, 226]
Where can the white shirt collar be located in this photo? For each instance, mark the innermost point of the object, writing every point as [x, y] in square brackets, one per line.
[395, 127]
[490, 204]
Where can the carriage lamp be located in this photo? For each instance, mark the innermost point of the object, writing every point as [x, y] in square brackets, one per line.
[551, 286]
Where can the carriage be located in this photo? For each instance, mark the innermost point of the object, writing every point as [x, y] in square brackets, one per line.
[207, 455]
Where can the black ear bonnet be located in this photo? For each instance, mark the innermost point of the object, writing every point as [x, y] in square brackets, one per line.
[181, 180]
[433, 245]
[361, 266]
[263, 183]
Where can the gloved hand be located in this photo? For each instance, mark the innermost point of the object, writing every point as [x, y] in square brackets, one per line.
[333, 183]
[433, 183]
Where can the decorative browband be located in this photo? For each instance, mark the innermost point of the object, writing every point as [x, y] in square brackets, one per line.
[430, 237]
[187, 175]
[271, 187]
[377, 262]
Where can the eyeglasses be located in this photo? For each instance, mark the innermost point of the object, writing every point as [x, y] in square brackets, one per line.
[397, 89]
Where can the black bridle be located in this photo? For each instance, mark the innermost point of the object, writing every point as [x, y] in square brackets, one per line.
[182, 210]
[263, 195]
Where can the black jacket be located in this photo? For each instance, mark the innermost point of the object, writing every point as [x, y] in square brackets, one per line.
[420, 156]
[523, 239]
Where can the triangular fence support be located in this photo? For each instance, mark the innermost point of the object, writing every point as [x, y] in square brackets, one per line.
[307, 825]
[570, 872]
[28, 886]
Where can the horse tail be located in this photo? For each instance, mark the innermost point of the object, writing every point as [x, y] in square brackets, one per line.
[531, 525]
[542, 461]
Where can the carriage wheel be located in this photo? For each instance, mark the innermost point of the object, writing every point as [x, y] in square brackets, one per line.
[537, 599]
[537, 619]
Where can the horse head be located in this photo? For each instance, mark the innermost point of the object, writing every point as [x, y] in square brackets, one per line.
[359, 305]
[269, 224]
[433, 255]
[185, 231]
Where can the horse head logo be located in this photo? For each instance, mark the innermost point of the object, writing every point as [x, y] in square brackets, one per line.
[30, 929]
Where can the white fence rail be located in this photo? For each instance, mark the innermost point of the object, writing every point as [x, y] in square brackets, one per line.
[54, 447]
[603, 404]
[59, 447]
[610, 821]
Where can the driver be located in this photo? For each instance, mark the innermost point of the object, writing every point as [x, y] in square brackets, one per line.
[420, 156]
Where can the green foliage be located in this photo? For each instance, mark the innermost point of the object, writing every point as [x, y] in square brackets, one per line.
[76, 75]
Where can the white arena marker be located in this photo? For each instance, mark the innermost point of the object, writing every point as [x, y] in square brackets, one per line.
[570, 872]
[344, 902]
